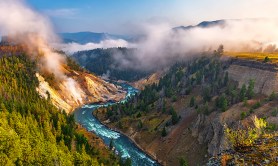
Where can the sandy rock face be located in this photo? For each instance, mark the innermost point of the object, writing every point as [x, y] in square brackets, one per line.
[88, 87]
[266, 81]
[151, 79]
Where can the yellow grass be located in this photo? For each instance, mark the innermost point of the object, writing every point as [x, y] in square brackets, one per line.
[254, 55]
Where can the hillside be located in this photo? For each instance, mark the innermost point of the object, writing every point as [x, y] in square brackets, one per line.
[33, 131]
[91, 89]
[75, 88]
[184, 116]
[270, 56]
[265, 75]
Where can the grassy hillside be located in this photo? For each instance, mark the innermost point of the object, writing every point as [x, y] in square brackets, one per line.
[32, 130]
[260, 56]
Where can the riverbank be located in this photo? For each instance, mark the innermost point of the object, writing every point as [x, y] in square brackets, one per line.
[133, 141]
[179, 142]
[124, 146]
[99, 146]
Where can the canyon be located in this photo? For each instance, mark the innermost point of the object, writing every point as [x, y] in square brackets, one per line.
[199, 136]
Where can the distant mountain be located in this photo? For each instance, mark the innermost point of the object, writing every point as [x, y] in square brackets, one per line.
[90, 37]
[93, 37]
[204, 24]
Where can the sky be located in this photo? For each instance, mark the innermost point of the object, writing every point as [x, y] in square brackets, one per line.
[122, 16]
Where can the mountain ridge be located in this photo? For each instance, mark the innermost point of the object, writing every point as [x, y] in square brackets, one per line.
[203, 24]
[90, 37]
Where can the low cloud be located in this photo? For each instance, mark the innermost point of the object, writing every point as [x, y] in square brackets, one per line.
[163, 46]
[70, 48]
[160, 45]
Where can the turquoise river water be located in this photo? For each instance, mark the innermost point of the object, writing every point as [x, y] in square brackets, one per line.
[123, 145]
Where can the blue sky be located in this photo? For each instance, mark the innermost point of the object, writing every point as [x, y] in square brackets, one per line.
[117, 16]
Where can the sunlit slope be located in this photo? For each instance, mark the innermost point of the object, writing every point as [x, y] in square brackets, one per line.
[91, 89]
[260, 56]
[257, 66]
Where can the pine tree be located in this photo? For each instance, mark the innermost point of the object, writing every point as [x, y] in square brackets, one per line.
[164, 132]
[250, 91]
[192, 101]
[242, 93]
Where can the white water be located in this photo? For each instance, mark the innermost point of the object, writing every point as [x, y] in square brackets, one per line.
[123, 145]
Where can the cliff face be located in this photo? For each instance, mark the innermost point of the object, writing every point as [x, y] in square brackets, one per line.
[264, 75]
[88, 87]
[151, 79]
[209, 130]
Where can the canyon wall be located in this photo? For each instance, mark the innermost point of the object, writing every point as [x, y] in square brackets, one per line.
[91, 88]
[209, 130]
[264, 75]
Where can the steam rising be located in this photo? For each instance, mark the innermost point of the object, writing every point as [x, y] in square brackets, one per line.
[34, 31]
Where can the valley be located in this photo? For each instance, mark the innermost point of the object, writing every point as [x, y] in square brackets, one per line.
[145, 83]
[199, 131]
[181, 113]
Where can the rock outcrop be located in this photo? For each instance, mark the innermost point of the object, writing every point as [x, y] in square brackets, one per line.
[209, 130]
[90, 89]
[151, 79]
[264, 75]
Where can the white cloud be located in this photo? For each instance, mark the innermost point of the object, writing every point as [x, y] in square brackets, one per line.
[74, 47]
[163, 46]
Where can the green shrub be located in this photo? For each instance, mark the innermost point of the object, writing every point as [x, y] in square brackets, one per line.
[243, 115]
[274, 112]
[272, 97]
[183, 162]
[256, 105]
[241, 138]
[266, 59]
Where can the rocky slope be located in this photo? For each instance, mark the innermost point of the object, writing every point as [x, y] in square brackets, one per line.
[151, 79]
[264, 75]
[263, 152]
[210, 129]
[88, 87]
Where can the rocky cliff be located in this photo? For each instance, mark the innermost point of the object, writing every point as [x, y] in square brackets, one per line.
[264, 75]
[90, 89]
[209, 130]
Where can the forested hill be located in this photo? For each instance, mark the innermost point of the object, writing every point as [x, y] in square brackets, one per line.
[106, 62]
[32, 130]
[196, 110]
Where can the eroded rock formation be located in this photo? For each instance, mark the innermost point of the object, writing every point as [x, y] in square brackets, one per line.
[89, 87]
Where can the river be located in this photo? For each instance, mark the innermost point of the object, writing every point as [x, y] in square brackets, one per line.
[123, 145]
